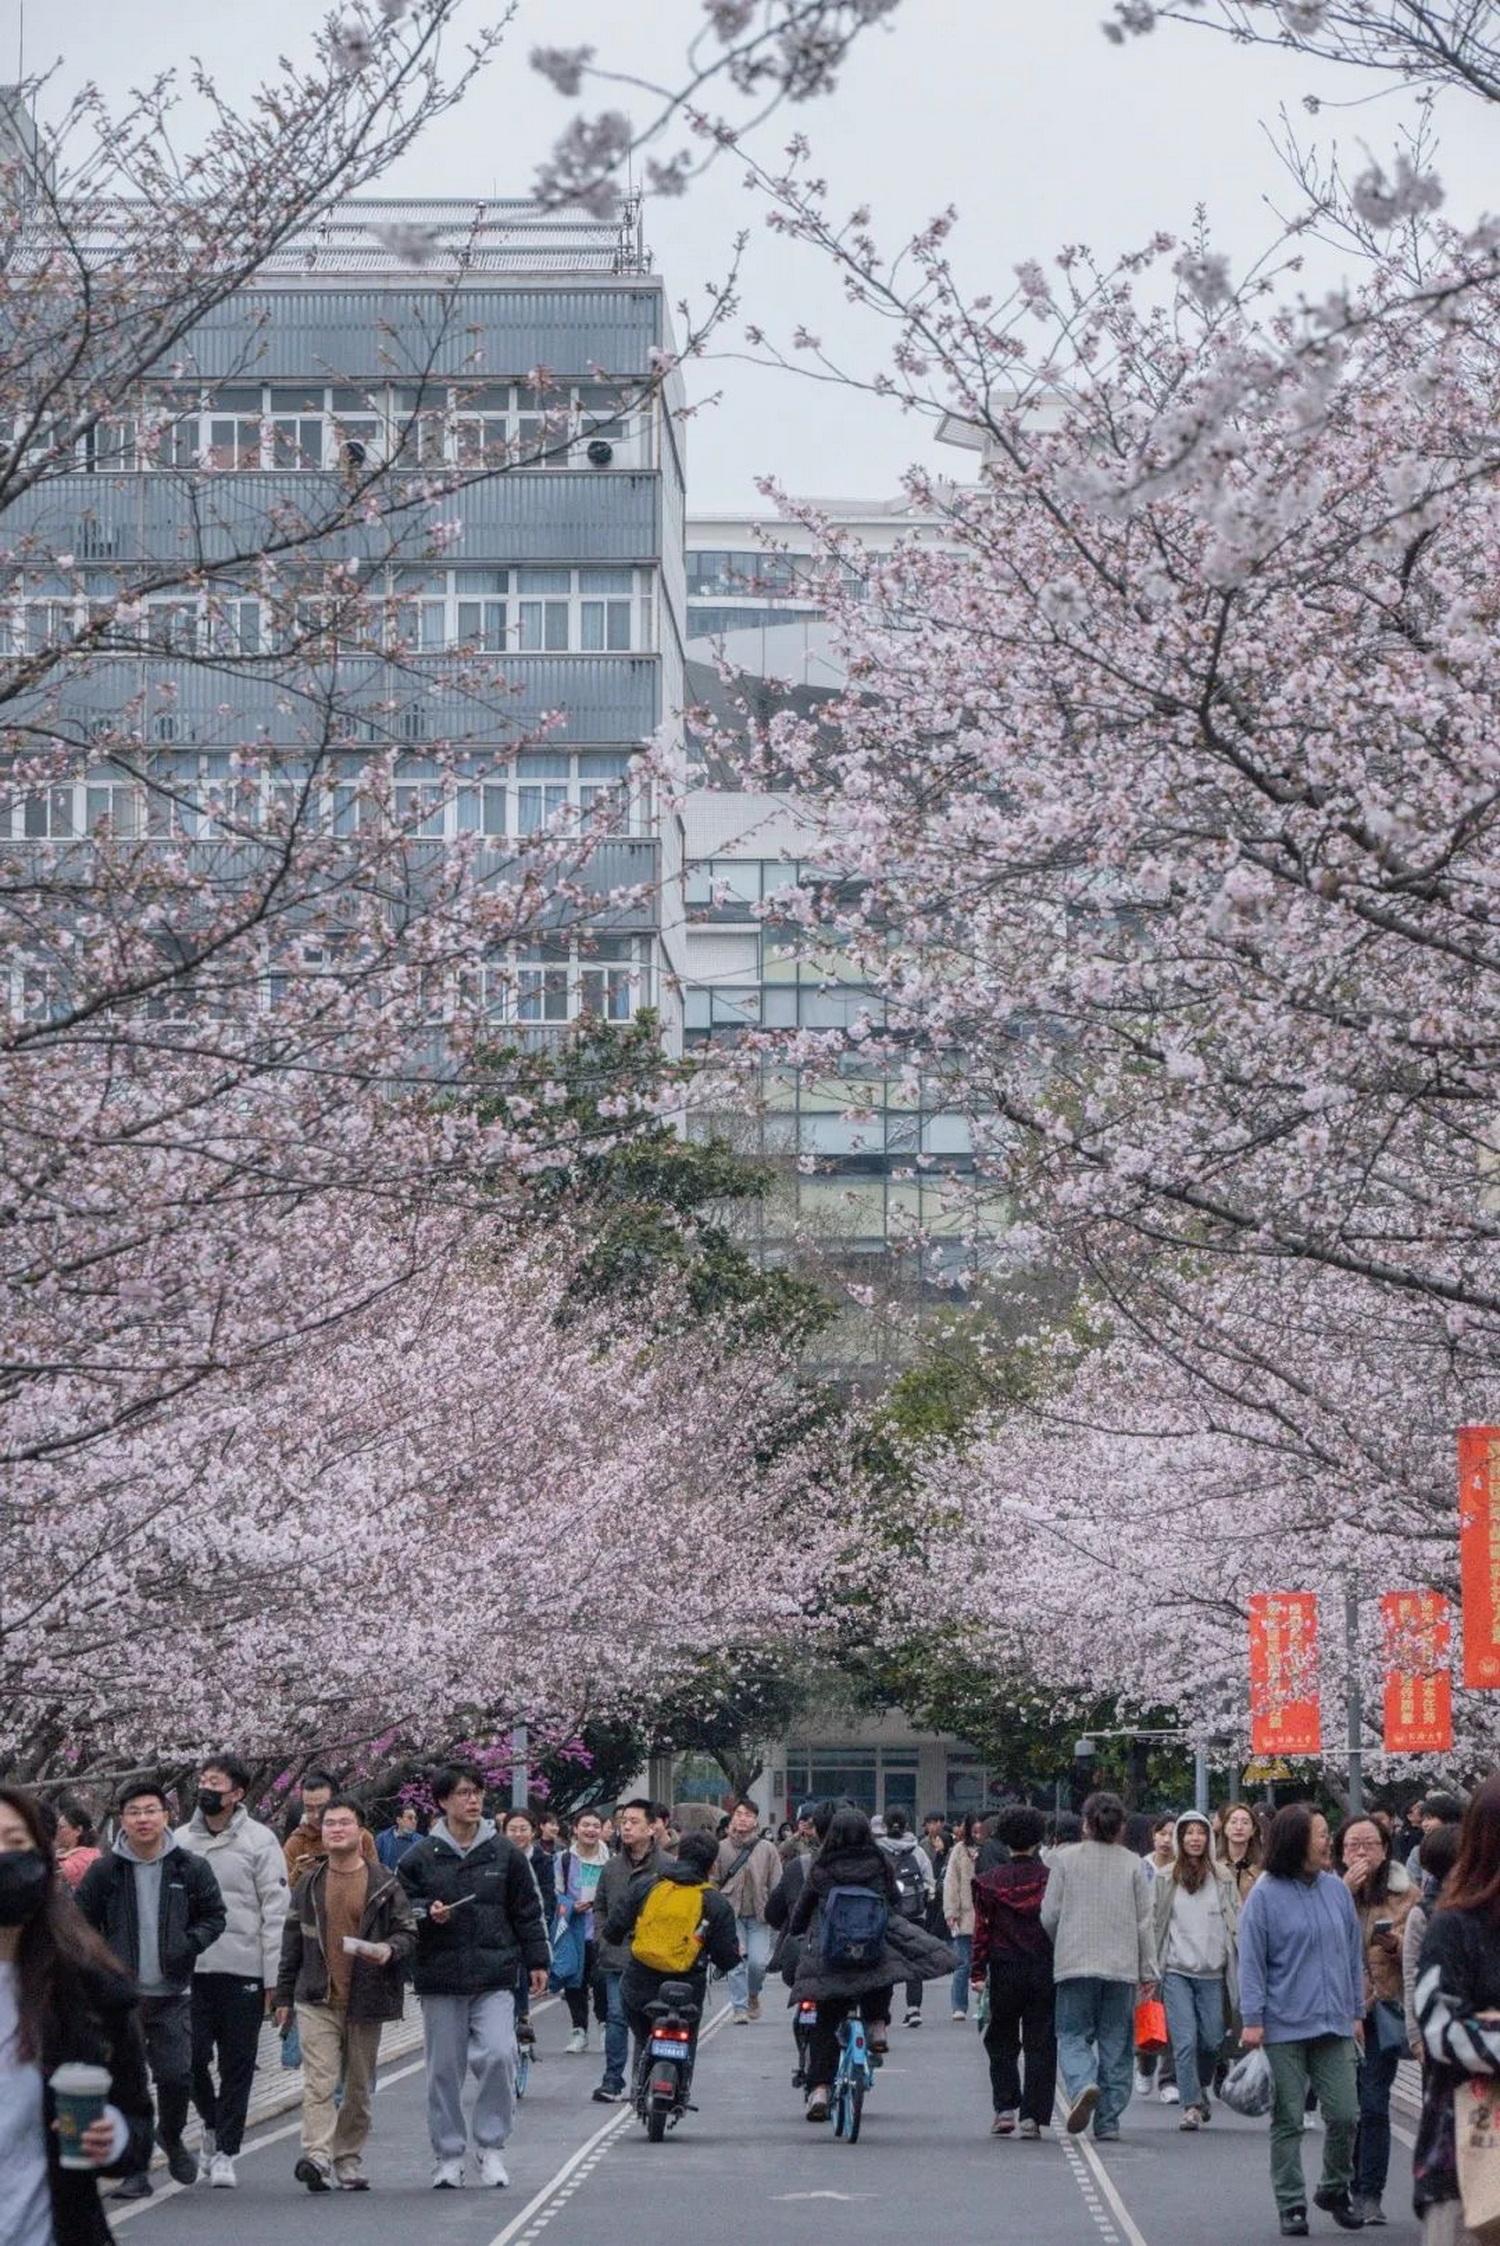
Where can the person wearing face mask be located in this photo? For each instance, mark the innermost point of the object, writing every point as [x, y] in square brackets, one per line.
[158, 1908]
[233, 1979]
[63, 2000]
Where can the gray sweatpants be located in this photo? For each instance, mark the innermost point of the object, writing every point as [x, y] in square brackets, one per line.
[460, 2033]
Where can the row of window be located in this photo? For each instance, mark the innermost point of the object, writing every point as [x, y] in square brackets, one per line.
[545, 986]
[719, 573]
[538, 791]
[408, 612]
[438, 425]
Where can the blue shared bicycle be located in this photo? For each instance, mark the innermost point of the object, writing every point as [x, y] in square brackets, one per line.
[854, 2080]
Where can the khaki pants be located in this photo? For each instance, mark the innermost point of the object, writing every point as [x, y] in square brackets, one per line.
[334, 2136]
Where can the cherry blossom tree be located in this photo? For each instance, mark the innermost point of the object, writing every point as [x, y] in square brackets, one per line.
[450, 1505]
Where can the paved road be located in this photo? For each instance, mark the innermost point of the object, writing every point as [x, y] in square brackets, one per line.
[925, 2159]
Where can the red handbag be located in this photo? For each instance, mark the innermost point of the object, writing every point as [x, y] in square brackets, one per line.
[1150, 2026]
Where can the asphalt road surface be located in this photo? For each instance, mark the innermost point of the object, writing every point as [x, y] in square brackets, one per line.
[925, 2165]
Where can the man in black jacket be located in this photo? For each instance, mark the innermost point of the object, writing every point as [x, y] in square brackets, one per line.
[158, 1908]
[479, 1920]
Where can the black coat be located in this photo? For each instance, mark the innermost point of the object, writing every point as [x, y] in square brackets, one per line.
[485, 1944]
[721, 1942]
[544, 1871]
[910, 1953]
[190, 1913]
[374, 1990]
[780, 1904]
[95, 2018]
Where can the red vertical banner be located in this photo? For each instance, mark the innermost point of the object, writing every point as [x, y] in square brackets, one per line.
[1284, 1717]
[1479, 1553]
[1418, 1631]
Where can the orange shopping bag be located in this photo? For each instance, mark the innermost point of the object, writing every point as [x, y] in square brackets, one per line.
[1150, 2026]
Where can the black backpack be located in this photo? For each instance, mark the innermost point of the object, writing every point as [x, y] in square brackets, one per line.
[911, 1888]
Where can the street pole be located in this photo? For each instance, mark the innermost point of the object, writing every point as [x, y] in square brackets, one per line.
[1353, 1696]
[1200, 1780]
[520, 1774]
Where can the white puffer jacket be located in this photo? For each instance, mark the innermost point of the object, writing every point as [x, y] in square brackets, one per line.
[247, 1862]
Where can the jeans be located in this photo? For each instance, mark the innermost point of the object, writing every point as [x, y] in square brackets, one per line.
[227, 2011]
[577, 2000]
[962, 1946]
[463, 2034]
[1195, 2022]
[748, 1977]
[336, 2050]
[167, 2023]
[1372, 2141]
[1022, 2026]
[1327, 2063]
[1095, 2036]
[616, 2032]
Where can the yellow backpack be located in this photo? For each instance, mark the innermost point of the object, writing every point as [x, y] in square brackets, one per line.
[669, 1929]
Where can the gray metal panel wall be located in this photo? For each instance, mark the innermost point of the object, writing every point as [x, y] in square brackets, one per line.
[559, 514]
[604, 700]
[397, 333]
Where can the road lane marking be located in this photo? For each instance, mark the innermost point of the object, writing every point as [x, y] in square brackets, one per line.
[1093, 2178]
[580, 2164]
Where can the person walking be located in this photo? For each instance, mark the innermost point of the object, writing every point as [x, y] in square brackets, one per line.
[1383, 1895]
[917, 1890]
[580, 1868]
[1012, 1952]
[76, 1844]
[520, 1831]
[1195, 1913]
[478, 1918]
[400, 1835]
[64, 2000]
[343, 1995]
[1437, 1856]
[1097, 1910]
[745, 1871]
[1241, 1849]
[1457, 2002]
[640, 1857]
[958, 1910]
[1433, 1810]
[1302, 1996]
[159, 1908]
[235, 1976]
[304, 1841]
[851, 1858]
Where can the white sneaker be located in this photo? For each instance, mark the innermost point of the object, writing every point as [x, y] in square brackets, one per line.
[447, 2175]
[221, 2172]
[959, 2015]
[1169, 2094]
[492, 2169]
[206, 2157]
[578, 2041]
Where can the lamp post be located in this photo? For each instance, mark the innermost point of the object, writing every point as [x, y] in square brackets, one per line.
[1353, 1696]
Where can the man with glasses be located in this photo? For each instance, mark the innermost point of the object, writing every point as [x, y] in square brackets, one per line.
[479, 1922]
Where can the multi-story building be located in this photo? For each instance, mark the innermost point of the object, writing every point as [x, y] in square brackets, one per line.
[873, 1177]
[562, 576]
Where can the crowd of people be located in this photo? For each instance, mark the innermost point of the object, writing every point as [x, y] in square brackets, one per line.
[157, 1955]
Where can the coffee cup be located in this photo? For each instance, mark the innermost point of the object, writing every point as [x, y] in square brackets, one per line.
[79, 2093]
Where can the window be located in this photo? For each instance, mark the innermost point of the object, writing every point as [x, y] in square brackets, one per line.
[296, 428]
[542, 985]
[604, 608]
[483, 618]
[232, 437]
[543, 608]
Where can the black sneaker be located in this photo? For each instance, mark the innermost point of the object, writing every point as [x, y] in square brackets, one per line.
[1341, 2206]
[308, 2172]
[608, 2095]
[182, 2165]
[132, 2187]
[1294, 2222]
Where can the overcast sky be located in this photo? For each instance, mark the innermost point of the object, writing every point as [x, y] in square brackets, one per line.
[1017, 111]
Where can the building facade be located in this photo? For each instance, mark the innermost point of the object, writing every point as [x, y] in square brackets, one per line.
[531, 649]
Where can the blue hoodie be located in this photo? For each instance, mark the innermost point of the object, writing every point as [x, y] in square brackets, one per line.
[1302, 1964]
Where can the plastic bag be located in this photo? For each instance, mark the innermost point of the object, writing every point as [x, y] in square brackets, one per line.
[1150, 2026]
[1247, 2087]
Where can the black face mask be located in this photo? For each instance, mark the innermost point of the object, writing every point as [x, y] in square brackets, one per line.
[25, 1876]
[210, 1800]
